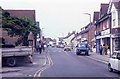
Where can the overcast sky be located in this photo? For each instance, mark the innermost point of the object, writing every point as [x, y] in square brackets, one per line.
[58, 17]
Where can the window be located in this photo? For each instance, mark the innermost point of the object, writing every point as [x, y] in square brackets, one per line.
[113, 22]
[114, 18]
[118, 17]
[117, 44]
[103, 25]
[107, 23]
[114, 55]
[118, 56]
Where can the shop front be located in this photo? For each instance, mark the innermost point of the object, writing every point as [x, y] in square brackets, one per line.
[115, 40]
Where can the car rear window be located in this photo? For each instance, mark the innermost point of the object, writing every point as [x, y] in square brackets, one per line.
[82, 45]
[118, 55]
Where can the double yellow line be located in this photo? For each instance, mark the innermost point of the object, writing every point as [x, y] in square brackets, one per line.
[48, 63]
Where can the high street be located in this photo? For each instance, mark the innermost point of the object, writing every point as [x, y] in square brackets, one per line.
[59, 63]
[67, 64]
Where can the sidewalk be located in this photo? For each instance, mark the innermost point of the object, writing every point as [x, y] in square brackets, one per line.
[19, 68]
[99, 58]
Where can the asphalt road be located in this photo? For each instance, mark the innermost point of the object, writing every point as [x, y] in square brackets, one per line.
[67, 64]
[61, 64]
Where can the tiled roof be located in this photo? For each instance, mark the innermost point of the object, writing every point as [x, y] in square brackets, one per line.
[68, 35]
[23, 13]
[117, 5]
[84, 31]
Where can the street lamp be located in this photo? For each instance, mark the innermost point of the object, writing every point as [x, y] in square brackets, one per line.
[41, 34]
[89, 15]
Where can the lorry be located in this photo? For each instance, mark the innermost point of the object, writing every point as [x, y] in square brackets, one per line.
[13, 55]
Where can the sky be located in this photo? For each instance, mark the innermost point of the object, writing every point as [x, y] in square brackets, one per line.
[57, 17]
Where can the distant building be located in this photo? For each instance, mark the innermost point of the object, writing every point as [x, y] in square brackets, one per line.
[68, 38]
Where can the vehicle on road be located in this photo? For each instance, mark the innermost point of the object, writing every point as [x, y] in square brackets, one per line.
[82, 48]
[114, 62]
[67, 48]
[11, 55]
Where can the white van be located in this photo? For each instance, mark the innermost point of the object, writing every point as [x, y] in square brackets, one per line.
[114, 62]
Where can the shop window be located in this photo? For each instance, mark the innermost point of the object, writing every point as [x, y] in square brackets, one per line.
[117, 44]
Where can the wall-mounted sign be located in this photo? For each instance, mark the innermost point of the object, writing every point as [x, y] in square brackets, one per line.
[105, 32]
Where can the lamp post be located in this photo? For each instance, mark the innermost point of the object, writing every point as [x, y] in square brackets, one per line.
[89, 16]
[90, 25]
[41, 33]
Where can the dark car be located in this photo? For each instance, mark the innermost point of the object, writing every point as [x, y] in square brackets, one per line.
[82, 48]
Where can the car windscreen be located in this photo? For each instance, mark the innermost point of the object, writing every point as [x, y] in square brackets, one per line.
[118, 55]
[82, 45]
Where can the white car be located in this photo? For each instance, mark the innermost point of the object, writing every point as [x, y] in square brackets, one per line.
[67, 48]
[114, 62]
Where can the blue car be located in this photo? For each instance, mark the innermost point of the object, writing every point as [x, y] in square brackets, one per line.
[82, 48]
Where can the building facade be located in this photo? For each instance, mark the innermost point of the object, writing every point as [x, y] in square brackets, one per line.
[103, 28]
[114, 8]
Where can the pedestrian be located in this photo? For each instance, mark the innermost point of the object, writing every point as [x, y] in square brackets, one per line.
[40, 47]
[37, 47]
[105, 48]
[43, 47]
[101, 49]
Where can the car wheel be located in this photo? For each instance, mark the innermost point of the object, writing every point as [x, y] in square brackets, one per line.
[109, 68]
[77, 53]
[87, 54]
[11, 61]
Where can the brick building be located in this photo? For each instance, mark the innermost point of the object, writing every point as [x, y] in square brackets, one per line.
[103, 27]
[30, 14]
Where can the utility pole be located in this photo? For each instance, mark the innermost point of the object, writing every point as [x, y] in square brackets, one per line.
[89, 16]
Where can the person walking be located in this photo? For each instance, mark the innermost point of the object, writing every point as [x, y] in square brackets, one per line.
[101, 49]
[40, 47]
[105, 48]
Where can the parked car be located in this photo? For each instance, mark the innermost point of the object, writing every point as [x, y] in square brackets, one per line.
[67, 48]
[114, 62]
[82, 48]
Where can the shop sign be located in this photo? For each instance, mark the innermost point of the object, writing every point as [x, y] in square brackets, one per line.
[105, 32]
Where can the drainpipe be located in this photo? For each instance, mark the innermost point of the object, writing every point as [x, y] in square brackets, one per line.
[111, 45]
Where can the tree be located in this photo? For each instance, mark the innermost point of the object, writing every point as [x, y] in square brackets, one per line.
[19, 27]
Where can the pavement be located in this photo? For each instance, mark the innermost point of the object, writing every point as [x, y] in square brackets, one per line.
[94, 56]
[99, 58]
